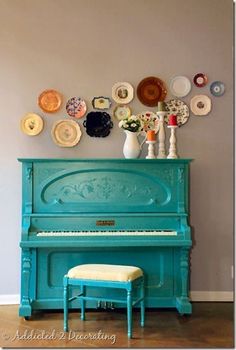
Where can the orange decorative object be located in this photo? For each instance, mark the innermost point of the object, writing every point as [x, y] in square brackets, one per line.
[50, 101]
[151, 136]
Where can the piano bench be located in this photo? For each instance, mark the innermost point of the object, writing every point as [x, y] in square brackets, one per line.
[106, 276]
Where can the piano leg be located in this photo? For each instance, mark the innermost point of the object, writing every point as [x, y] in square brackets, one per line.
[25, 306]
[183, 304]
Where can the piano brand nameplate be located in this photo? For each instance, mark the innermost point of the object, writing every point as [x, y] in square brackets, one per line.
[105, 223]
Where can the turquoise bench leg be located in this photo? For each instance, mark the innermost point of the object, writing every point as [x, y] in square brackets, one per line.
[142, 305]
[83, 291]
[65, 280]
[129, 313]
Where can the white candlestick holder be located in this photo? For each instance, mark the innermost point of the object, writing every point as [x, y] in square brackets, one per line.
[172, 149]
[161, 139]
[151, 150]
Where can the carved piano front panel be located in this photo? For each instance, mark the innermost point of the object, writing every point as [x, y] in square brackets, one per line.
[82, 187]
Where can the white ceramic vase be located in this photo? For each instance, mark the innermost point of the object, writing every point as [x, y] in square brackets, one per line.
[131, 148]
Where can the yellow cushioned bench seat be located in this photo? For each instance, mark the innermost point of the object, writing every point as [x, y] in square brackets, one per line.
[105, 272]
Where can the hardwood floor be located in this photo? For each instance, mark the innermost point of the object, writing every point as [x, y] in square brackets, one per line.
[210, 326]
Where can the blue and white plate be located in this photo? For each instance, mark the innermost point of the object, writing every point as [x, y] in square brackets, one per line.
[217, 88]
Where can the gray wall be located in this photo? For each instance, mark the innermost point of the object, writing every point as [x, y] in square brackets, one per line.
[81, 48]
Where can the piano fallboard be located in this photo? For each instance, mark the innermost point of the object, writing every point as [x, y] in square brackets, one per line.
[117, 211]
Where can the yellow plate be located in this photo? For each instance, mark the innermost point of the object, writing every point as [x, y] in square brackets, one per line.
[31, 124]
[66, 133]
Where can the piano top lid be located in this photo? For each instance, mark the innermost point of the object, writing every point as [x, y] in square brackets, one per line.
[99, 160]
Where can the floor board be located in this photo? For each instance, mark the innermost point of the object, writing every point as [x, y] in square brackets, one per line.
[210, 326]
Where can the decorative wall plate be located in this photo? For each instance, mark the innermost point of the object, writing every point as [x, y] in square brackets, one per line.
[200, 105]
[122, 112]
[98, 124]
[200, 79]
[217, 88]
[101, 102]
[123, 92]
[180, 86]
[179, 108]
[31, 124]
[66, 133]
[150, 121]
[76, 107]
[151, 90]
[50, 101]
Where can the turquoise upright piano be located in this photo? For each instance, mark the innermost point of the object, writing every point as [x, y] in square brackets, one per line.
[109, 211]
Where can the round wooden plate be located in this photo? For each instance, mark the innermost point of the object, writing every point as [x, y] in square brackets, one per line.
[151, 90]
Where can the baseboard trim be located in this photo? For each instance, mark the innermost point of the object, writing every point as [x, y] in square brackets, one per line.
[14, 299]
[9, 299]
[211, 296]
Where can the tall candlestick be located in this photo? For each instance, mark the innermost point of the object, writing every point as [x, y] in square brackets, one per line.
[172, 150]
[161, 149]
[151, 150]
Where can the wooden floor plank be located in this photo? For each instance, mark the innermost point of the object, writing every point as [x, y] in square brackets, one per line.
[210, 326]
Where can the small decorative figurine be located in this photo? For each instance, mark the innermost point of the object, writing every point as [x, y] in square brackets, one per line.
[172, 124]
[161, 112]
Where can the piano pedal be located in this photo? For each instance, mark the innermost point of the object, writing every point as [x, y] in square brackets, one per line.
[105, 305]
[101, 305]
[111, 306]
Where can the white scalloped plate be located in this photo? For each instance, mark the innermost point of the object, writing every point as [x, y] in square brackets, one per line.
[200, 105]
[122, 92]
[66, 133]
